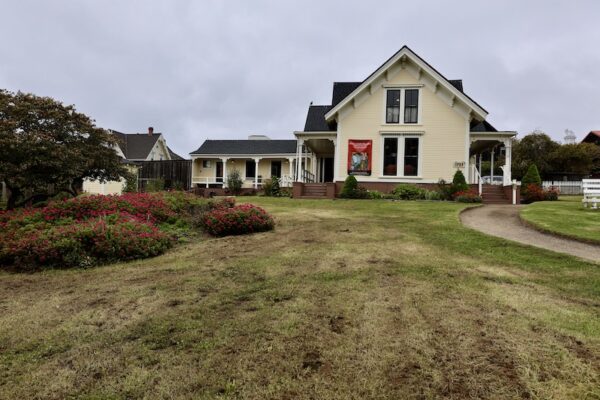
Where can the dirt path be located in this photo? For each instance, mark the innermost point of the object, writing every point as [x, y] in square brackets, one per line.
[503, 221]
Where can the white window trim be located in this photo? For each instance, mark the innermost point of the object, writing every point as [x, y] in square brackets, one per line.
[400, 154]
[402, 89]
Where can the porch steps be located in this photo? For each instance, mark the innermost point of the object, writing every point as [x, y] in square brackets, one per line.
[494, 194]
[314, 191]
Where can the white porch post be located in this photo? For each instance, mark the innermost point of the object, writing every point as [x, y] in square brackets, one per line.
[336, 158]
[224, 159]
[256, 160]
[492, 168]
[299, 161]
[291, 162]
[508, 162]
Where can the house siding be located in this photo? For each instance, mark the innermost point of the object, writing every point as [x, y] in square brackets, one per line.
[443, 139]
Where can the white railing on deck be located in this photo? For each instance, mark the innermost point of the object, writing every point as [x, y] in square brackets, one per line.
[285, 181]
[478, 180]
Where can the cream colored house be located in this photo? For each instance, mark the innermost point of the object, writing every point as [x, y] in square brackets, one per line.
[256, 159]
[404, 123]
[132, 148]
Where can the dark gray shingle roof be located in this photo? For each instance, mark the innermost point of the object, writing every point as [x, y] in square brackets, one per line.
[174, 156]
[136, 146]
[341, 90]
[315, 119]
[482, 126]
[247, 147]
[457, 83]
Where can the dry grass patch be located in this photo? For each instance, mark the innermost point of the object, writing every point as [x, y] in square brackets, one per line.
[344, 300]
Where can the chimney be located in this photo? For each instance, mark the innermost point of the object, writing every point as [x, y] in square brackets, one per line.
[150, 130]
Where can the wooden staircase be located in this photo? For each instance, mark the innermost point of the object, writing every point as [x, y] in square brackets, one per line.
[494, 194]
[314, 191]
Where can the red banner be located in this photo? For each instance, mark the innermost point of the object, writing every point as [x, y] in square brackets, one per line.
[359, 157]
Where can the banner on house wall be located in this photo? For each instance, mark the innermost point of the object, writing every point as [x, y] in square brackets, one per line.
[359, 157]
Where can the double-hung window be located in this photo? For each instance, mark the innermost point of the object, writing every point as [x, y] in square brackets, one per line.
[402, 106]
[401, 156]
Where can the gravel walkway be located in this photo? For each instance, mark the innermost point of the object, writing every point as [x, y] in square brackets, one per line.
[503, 221]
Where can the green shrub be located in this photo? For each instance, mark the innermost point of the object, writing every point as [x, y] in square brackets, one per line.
[459, 183]
[376, 195]
[433, 195]
[131, 183]
[444, 189]
[532, 177]
[155, 185]
[407, 191]
[350, 187]
[275, 187]
[267, 187]
[234, 182]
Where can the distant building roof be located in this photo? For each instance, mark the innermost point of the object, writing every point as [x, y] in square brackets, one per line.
[136, 146]
[174, 156]
[249, 147]
[482, 126]
[592, 137]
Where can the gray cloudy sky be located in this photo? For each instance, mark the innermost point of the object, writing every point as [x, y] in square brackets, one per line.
[224, 69]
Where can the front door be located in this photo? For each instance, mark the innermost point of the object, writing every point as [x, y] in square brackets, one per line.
[276, 168]
[328, 169]
[219, 172]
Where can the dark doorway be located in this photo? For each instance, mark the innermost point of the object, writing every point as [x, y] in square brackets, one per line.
[276, 168]
[328, 169]
[219, 174]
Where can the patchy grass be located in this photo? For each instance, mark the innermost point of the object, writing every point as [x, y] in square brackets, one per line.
[345, 299]
[566, 217]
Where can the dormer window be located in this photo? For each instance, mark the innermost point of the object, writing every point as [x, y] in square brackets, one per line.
[393, 107]
[402, 103]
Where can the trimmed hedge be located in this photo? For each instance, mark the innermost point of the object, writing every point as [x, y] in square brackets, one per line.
[237, 220]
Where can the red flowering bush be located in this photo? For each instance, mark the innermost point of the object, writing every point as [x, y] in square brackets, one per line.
[150, 207]
[237, 220]
[534, 192]
[467, 196]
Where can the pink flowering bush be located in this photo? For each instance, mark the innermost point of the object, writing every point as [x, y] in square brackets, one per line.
[237, 220]
[467, 196]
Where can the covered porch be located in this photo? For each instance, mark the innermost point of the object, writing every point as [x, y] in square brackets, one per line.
[212, 171]
[488, 152]
[315, 156]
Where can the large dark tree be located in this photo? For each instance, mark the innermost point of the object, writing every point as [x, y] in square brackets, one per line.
[578, 159]
[47, 147]
[534, 148]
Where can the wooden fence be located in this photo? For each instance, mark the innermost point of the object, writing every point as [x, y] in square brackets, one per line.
[565, 187]
[172, 174]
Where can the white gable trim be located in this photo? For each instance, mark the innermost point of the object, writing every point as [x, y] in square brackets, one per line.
[424, 72]
[156, 146]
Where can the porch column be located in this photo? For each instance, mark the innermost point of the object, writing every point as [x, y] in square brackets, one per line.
[291, 162]
[224, 159]
[508, 162]
[479, 165]
[336, 158]
[492, 168]
[256, 160]
[299, 161]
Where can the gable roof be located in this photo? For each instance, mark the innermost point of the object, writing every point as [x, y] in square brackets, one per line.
[341, 90]
[592, 137]
[482, 126]
[315, 119]
[457, 83]
[249, 147]
[406, 51]
[174, 156]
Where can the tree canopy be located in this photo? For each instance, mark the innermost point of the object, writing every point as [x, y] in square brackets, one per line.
[47, 147]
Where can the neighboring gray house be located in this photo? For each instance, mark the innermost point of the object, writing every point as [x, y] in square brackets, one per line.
[148, 146]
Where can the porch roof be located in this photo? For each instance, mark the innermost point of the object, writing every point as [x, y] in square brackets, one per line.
[246, 147]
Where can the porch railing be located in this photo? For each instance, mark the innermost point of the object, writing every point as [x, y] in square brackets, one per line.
[478, 180]
[308, 177]
[285, 181]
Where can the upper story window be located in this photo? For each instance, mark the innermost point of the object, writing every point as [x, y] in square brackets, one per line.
[392, 107]
[411, 106]
[402, 106]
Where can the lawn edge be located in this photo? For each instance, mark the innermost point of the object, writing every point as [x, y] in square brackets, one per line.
[539, 228]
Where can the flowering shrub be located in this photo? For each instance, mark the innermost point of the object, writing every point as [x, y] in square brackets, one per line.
[467, 196]
[150, 207]
[117, 237]
[237, 220]
[534, 192]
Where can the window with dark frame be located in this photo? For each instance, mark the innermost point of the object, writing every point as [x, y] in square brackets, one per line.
[390, 156]
[392, 107]
[411, 106]
[411, 157]
[205, 163]
[250, 169]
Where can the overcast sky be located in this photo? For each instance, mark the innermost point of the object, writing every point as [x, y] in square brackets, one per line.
[226, 69]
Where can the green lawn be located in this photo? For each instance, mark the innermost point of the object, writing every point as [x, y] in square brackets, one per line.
[565, 217]
[344, 300]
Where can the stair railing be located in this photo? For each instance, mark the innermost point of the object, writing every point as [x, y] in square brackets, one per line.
[479, 180]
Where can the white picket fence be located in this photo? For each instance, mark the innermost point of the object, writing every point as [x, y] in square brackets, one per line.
[565, 187]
